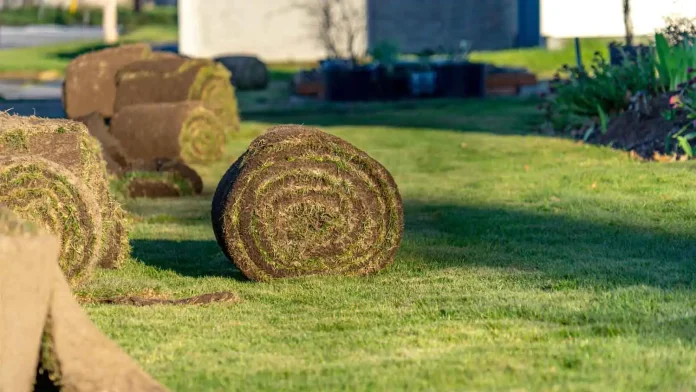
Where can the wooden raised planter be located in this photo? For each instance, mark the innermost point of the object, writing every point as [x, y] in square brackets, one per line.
[508, 83]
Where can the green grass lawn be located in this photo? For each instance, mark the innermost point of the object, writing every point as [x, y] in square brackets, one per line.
[528, 263]
[56, 57]
[541, 61]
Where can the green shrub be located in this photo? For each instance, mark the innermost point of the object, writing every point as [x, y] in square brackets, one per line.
[684, 103]
[604, 90]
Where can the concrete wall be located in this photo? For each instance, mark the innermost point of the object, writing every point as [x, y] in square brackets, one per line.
[604, 18]
[274, 30]
[416, 25]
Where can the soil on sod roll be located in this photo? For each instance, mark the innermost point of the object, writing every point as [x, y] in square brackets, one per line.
[50, 196]
[204, 299]
[155, 185]
[117, 160]
[42, 327]
[90, 79]
[176, 80]
[185, 130]
[68, 144]
[174, 166]
[303, 202]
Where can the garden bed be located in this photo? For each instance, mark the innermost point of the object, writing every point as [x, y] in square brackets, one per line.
[646, 131]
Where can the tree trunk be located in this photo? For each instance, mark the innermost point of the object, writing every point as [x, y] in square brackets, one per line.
[628, 22]
[137, 6]
[110, 24]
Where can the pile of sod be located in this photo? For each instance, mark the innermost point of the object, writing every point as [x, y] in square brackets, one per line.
[68, 145]
[180, 130]
[175, 80]
[148, 177]
[42, 327]
[303, 202]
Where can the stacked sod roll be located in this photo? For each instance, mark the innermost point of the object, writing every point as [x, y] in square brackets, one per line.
[175, 80]
[90, 79]
[43, 328]
[303, 202]
[67, 145]
[185, 130]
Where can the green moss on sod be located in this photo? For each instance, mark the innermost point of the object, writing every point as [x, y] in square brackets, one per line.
[68, 144]
[49, 195]
[303, 202]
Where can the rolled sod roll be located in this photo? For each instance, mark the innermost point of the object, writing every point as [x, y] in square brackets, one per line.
[90, 79]
[117, 161]
[185, 130]
[43, 328]
[154, 185]
[68, 144]
[173, 166]
[248, 72]
[176, 80]
[303, 202]
[50, 196]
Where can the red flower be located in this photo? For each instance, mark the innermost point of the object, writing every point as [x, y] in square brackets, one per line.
[675, 101]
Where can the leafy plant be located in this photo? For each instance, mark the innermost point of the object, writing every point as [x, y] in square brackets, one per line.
[603, 120]
[386, 53]
[602, 92]
[685, 102]
[674, 61]
[668, 114]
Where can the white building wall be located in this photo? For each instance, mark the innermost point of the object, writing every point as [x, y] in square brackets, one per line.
[274, 30]
[604, 18]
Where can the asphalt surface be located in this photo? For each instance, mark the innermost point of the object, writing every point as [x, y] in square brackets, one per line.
[38, 35]
[50, 108]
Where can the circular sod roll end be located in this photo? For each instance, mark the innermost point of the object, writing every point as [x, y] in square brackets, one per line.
[68, 144]
[302, 202]
[50, 196]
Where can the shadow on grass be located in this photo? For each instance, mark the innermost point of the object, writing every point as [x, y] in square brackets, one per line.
[178, 256]
[565, 253]
[551, 252]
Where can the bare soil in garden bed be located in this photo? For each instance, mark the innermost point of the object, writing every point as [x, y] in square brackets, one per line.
[643, 129]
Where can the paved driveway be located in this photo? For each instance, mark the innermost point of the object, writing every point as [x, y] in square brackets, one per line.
[25, 36]
[51, 108]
